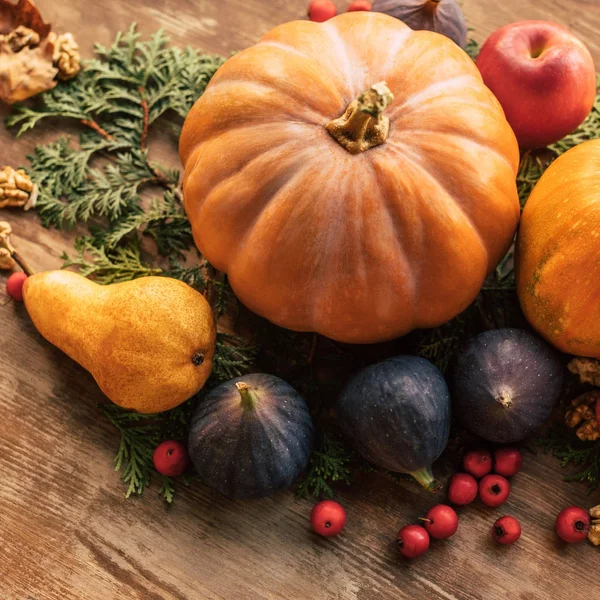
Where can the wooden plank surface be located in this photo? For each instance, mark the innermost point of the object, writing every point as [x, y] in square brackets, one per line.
[67, 533]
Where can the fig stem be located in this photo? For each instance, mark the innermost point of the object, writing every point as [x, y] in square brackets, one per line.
[426, 479]
[247, 394]
[505, 400]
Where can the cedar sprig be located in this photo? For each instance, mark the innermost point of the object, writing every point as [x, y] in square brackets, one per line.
[329, 464]
[234, 355]
[167, 489]
[583, 456]
[120, 264]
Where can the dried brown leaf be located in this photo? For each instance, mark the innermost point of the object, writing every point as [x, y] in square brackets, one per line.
[22, 12]
[27, 72]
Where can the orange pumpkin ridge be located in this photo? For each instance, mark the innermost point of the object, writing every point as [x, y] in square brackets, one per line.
[558, 253]
[324, 218]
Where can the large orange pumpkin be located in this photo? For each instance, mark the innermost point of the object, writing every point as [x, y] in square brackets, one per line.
[335, 208]
[558, 253]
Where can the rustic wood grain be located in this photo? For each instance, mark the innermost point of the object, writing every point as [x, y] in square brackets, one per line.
[66, 532]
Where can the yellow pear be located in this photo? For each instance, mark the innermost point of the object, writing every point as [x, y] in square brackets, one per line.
[149, 343]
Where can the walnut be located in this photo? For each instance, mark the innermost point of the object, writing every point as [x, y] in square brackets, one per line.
[589, 431]
[6, 249]
[588, 370]
[594, 534]
[583, 416]
[66, 55]
[6, 260]
[17, 189]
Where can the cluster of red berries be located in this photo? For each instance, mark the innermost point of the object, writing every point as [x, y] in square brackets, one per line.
[328, 518]
[323, 10]
[441, 522]
[493, 488]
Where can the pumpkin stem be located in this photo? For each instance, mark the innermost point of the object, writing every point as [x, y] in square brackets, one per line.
[363, 125]
[248, 395]
[426, 479]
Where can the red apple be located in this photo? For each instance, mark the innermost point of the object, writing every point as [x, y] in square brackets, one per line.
[544, 78]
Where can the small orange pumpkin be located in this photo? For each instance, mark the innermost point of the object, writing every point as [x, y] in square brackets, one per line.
[558, 253]
[336, 206]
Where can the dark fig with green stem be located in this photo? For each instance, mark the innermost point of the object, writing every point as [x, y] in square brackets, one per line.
[396, 414]
[251, 436]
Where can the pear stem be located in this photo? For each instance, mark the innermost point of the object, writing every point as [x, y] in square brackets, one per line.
[363, 125]
[248, 395]
[426, 479]
[22, 263]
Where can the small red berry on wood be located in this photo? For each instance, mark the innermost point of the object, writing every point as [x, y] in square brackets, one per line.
[413, 540]
[494, 490]
[170, 458]
[507, 461]
[14, 286]
[573, 524]
[463, 489]
[328, 518]
[321, 10]
[441, 522]
[359, 5]
[478, 463]
[506, 530]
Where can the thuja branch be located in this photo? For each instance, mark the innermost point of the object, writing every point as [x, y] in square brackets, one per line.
[145, 117]
[98, 129]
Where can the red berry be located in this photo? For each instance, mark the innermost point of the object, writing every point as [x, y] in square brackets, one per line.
[14, 286]
[478, 463]
[359, 5]
[441, 522]
[494, 490]
[573, 524]
[506, 530]
[170, 458]
[321, 10]
[463, 489]
[507, 461]
[413, 540]
[328, 518]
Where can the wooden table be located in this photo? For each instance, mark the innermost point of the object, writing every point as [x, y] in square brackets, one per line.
[66, 531]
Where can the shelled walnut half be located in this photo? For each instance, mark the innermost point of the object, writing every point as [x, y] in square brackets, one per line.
[582, 415]
[17, 189]
[6, 260]
[594, 534]
[588, 370]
